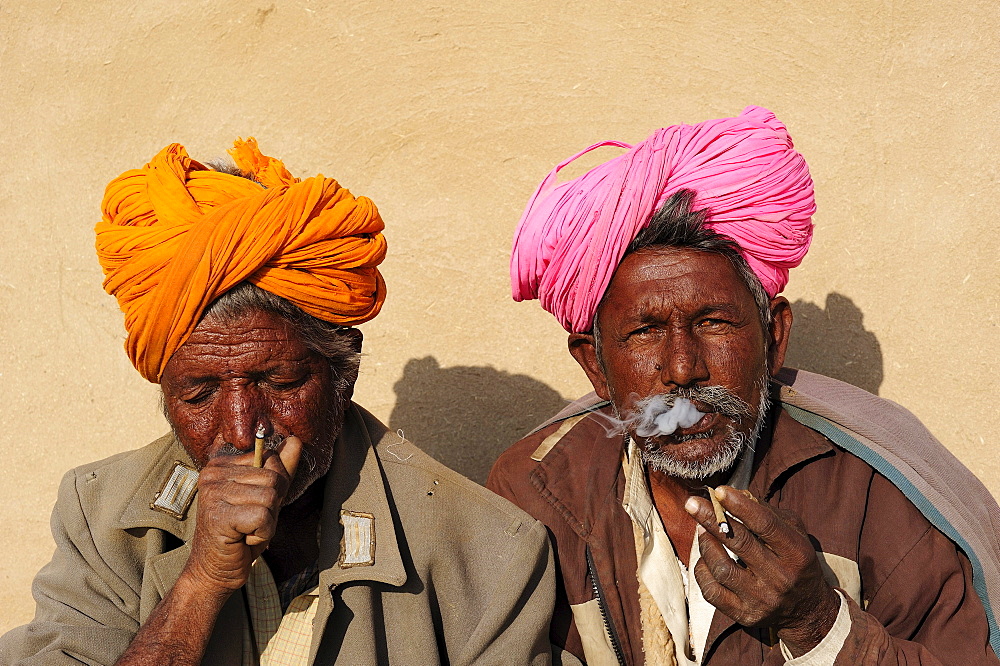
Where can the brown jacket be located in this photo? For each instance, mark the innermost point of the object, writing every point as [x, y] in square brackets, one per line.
[460, 575]
[915, 587]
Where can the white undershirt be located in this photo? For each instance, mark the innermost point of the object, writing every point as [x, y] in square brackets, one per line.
[677, 595]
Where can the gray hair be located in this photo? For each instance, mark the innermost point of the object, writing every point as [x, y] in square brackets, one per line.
[227, 166]
[328, 340]
[675, 225]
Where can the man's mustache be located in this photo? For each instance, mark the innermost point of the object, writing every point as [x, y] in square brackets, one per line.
[717, 398]
[271, 443]
[645, 411]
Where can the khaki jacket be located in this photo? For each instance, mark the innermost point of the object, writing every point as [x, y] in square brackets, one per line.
[460, 576]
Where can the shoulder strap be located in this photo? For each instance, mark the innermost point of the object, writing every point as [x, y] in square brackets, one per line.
[943, 490]
[581, 406]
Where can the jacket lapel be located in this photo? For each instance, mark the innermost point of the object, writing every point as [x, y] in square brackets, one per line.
[163, 569]
[581, 478]
[356, 486]
[788, 445]
[138, 512]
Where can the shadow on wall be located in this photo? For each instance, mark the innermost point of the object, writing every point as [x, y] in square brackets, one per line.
[466, 416]
[833, 342]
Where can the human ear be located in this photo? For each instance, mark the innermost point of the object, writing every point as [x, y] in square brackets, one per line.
[584, 349]
[778, 336]
[354, 339]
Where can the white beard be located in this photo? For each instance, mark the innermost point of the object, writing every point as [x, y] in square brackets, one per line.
[722, 460]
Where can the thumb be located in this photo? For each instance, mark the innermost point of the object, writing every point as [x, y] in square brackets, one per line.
[289, 453]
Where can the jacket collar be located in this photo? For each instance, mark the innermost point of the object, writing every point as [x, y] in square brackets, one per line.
[137, 511]
[355, 483]
[785, 444]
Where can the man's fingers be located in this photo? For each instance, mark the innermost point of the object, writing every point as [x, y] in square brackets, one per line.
[246, 499]
[740, 540]
[747, 546]
[701, 510]
[760, 519]
[289, 453]
[721, 564]
[261, 489]
[715, 592]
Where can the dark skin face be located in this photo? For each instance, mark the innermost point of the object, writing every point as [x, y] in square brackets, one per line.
[231, 377]
[678, 318]
[674, 319]
[227, 379]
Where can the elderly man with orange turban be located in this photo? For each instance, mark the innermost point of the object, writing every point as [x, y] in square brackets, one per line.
[279, 523]
[708, 506]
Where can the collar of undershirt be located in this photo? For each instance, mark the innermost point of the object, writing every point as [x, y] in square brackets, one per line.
[301, 582]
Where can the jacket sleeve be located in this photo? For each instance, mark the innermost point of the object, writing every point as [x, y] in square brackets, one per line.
[510, 473]
[514, 629]
[85, 613]
[925, 612]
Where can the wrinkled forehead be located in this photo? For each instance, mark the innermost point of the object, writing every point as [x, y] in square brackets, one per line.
[668, 278]
[254, 341]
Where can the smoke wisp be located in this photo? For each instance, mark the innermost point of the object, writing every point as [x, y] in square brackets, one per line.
[658, 419]
[662, 414]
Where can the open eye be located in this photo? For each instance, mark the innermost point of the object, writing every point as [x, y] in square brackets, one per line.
[715, 324]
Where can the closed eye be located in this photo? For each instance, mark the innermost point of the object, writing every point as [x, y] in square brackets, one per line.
[198, 397]
[642, 330]
[287, 384]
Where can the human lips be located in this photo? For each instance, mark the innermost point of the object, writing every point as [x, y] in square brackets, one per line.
[704, 428]
[703, 425]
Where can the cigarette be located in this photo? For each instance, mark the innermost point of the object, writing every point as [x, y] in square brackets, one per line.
[258, 448]
[720, 513]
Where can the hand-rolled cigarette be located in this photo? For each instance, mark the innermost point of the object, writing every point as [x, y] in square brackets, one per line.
[720, 513]
[258, 448]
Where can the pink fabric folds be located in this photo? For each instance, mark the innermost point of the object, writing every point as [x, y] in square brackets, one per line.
[757, 189]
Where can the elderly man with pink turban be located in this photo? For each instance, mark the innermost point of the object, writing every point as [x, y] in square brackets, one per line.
[280, 523]
[707, 505]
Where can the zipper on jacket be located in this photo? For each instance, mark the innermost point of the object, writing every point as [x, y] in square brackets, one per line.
[603, 606]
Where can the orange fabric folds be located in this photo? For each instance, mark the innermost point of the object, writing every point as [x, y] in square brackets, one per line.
[175, 235]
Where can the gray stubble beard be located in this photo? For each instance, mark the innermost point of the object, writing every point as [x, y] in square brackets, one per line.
[723, 459]
[310, 468]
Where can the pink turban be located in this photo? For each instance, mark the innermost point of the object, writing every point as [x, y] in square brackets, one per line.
[756, 188]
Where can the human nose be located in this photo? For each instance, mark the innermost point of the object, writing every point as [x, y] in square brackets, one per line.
[682, 363]
[242, 414]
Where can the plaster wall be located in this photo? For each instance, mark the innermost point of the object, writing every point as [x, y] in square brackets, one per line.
[447, 116]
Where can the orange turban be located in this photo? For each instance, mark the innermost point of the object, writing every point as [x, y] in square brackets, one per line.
[176, 235]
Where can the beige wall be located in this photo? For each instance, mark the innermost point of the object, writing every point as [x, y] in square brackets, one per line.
[447, 115]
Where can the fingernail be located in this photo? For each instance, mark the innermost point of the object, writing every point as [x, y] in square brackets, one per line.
[691, 505]
[720, 492]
